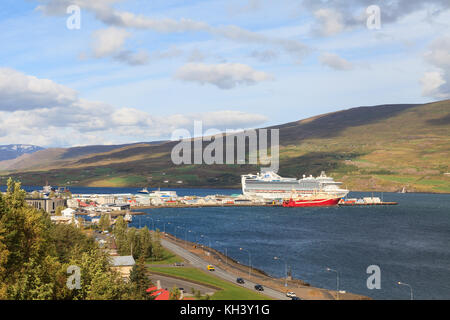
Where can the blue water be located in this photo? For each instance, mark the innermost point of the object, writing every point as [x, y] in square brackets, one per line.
[410, 242]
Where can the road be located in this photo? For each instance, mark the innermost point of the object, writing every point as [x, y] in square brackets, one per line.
[169, 282]
[201, 264]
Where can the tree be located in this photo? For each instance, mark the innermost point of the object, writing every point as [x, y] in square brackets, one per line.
[35, 195]
[104, 222]
[58, 210]
[140, 279]
[156, 246]
[174, 293]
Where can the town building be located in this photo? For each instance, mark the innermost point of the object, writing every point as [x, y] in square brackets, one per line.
[123, 264]
[47, 204]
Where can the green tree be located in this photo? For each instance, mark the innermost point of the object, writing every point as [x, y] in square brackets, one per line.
[58, 210]
[174, 293]
[104, 222]
[156, 245]
[140, 280]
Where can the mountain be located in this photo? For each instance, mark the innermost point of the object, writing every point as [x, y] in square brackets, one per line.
[379, 148]
[13, 151]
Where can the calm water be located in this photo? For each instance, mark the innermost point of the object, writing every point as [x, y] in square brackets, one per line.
[410, 242]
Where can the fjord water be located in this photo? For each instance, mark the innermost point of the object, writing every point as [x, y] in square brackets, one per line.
[410, 242]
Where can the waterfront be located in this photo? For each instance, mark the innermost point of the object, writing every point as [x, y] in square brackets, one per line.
[409, 242]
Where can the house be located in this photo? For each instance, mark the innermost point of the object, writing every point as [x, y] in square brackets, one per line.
[64, 220]
[123, 264]
[47, 204]
[69, 212]
[162, 294]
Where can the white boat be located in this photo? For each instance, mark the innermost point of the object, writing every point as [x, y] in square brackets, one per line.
[270, 185]
[128, 217]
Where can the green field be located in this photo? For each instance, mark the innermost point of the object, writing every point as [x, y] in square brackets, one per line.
[167, 258]
[228, 290]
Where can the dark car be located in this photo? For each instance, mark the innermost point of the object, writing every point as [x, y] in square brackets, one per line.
[295, 298]
[259, 287]
[240, 280]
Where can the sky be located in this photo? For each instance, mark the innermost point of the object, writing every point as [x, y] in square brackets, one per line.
[82, 72]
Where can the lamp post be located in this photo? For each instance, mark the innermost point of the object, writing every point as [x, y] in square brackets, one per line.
[337, 282]
[249, 261]
[209, 240]
[153, 223]
[185, 237]
[285, 269]
[410, 288]
[225, 253]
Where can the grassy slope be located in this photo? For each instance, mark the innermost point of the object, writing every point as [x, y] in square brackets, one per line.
[229, 291]
[371, 148]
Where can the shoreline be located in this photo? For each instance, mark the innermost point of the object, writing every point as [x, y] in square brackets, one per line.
[222, 188]
[300, 287]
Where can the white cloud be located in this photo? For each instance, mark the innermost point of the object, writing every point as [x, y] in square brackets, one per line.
[22, 92]
[330, 22]
[436, 84]
[431, 83]
[109, 41]
[224, 76]
[335, 62]
[49, 114]
[340, 15]
[104, 12]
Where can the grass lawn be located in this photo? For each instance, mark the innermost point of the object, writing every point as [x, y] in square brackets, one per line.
[167, 258]
[229, 291]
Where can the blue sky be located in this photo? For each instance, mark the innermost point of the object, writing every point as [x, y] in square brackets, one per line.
[138, 70]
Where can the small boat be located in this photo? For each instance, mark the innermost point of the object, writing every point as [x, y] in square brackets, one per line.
[144, 191]
[128, 217]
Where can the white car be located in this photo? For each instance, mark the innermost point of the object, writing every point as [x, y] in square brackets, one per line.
[290, 294]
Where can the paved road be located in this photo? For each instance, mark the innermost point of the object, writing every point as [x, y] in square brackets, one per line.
[169, 282]
[201, 264]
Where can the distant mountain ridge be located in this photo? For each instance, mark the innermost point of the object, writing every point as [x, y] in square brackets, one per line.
[13, 151]
[373, 148]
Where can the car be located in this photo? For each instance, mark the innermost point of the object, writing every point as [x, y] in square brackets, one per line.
[295, 298]
[290, 294]
[210, 267]
[259, 287]
[178, 264]
[240, 280]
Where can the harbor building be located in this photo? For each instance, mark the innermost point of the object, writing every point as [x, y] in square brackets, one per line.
[47, 204]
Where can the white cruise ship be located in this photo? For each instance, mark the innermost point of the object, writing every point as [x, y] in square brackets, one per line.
[270, 185]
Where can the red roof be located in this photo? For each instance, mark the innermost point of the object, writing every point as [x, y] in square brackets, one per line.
[160, 294]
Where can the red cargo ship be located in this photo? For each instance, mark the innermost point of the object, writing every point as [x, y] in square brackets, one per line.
[304, 202]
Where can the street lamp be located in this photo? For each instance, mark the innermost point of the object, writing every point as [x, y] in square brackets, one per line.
[410, 288]
[153, 223]
[225, 253]
[209, 240]
[249, 261]
[337, 281]
[285, 269]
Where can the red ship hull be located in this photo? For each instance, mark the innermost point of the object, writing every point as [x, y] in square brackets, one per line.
[311, 202]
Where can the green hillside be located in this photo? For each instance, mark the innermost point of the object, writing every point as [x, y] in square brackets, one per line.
[376, 148]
